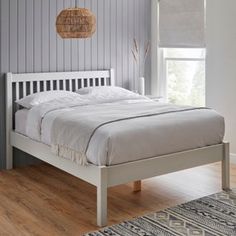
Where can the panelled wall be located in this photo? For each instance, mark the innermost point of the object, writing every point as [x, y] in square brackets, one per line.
[29, 43]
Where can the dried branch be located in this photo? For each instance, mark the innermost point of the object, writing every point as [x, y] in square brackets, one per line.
[135, 56]
[147, 50]
[136, 46]
[140, 55]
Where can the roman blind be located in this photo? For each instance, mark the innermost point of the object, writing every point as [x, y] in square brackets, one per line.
[182, 23]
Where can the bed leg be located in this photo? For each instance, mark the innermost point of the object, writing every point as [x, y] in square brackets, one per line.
[9, 119]
[137, 186]
[226, 168]
[102, 198]
[9, 155]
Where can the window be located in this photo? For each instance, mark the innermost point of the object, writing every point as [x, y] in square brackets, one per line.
[183, 75]
[181, 51]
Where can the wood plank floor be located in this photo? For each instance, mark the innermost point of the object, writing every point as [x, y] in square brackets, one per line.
[42, 200]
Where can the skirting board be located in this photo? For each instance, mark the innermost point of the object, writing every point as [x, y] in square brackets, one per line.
[233, 158]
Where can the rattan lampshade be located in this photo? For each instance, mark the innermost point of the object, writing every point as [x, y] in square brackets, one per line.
[76, 23]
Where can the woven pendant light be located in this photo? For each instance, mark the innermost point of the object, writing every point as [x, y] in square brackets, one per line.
[76, 23]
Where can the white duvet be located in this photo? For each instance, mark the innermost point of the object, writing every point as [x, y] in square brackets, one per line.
[87, 130]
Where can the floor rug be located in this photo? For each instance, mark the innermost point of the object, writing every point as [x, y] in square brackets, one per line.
[207, 216]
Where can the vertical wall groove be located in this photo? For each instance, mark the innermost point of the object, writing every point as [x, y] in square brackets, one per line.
[1, 99]
[29, 42]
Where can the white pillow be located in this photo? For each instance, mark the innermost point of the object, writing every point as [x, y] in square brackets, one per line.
[108, 93]
[42, 97]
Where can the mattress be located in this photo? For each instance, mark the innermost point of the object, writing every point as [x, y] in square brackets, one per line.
[131, 139]
[20, 121]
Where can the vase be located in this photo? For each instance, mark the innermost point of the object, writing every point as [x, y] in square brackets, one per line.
[141, 86]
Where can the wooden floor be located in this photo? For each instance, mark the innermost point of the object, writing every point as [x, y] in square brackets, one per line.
[42, 200]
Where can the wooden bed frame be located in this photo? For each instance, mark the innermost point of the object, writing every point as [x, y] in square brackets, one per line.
[103, 177]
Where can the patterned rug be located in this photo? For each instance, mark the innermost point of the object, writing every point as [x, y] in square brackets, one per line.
[207, 216]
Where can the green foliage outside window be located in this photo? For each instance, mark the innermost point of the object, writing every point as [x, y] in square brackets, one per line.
[186, 81]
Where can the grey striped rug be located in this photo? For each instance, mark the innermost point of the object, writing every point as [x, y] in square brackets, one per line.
[207, 216]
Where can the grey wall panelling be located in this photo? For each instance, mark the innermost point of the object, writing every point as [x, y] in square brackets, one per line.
[29, 43]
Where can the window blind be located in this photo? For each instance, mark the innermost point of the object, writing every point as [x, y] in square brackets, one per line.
[182, 23]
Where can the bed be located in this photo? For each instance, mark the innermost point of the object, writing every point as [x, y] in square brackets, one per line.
[197, 139]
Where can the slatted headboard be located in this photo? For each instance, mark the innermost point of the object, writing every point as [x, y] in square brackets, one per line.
[21, 85]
